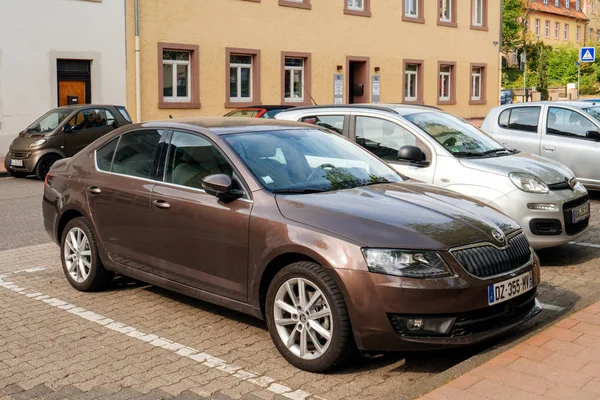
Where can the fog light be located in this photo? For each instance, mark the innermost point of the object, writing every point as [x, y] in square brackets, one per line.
[542, 206]
[414, 324]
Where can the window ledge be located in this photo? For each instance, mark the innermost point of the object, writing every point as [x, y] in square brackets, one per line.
[446, 102]
[294, 4]
[357, 13]
[241, 104]
[450, 24]
[479, 28]
[416, 20]
[474, 102]
[172, 104]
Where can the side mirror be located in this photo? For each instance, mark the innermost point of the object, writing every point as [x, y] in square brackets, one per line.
[594, 135]
[413, 155]
[220, 185]
[115, 124]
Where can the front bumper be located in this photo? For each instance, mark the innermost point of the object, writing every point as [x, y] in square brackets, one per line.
[28, 159]
[376, 300]
[515, 205]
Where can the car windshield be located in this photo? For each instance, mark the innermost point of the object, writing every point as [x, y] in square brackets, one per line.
[593, 112]
[308, 161]
[458, 137]
[49, 121]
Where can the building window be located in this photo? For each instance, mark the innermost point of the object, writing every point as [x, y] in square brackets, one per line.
[295, 82]
[556, 30]
[556, 3]
[515, 58]
[447, 13]
[413, 11]
[545, 1]
[567, 3]
[577, 33]
[478, 80]
[413, 81]
[592, 5]
[566, 37]
[578, 5]
[178, 76]
[537, 27]
[296, 3]
[447, 83]
[357, 7]
[243, 77]
[479, 14]
[547, 29]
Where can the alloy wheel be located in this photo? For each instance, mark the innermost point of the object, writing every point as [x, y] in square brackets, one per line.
[78, 255]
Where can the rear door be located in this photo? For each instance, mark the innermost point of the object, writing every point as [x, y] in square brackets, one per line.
[565, 140]
[87, 126]
[119, 190]
[518, 127]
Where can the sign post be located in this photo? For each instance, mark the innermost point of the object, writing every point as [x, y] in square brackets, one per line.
[376, 89]
[587, 55]
[338, 89]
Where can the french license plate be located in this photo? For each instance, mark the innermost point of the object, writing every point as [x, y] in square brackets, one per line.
[580, 213]
[506, 290]
[16, 163]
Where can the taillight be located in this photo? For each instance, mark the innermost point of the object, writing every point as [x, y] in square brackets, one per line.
[46, 181]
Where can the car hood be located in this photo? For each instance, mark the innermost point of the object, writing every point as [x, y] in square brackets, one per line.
[403, 215]
[548, 171]
[23, 142]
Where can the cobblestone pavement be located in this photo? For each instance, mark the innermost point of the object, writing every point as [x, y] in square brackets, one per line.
[138, 341]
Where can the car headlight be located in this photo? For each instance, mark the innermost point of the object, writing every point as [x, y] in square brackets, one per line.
[528, 183]
[406, 263]
[38, 142]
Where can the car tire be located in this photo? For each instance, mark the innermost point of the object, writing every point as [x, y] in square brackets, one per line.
[80, 259]
[327, 313]
[44, 164]
[17, 174]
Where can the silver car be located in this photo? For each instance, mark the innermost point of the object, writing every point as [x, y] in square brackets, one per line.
[564, 131]
[429, 145]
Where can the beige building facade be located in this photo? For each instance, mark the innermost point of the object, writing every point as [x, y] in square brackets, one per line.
[206, 57]
[555, 22]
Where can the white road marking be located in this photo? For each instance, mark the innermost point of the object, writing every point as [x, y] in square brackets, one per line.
[262, 381]
[596, 246]
[552, 307]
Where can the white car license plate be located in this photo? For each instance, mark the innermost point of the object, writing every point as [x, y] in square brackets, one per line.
[506, 290]
[16, 163]
[580, 213]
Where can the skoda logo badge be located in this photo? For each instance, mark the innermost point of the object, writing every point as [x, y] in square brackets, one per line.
[499, 236]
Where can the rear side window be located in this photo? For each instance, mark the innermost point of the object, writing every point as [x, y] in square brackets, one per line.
[91, 118]
[334, 123]
[104, 155]
[124, 113]
[520, 119]
[136, 153]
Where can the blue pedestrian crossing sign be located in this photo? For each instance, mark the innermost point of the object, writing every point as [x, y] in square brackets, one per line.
[587, 54]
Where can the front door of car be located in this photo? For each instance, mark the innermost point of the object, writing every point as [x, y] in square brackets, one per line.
[200, 240]
[384, 138]
[119, 191]
[571, 139]
[85, 127]
[517, 128]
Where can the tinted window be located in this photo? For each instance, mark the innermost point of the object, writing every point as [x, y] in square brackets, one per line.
[568, 123]
[104, 155]
[124, 113]
[520, 118]
[136, 152]
[332, 122]
[92, 118]
[383, 138]
[243, 113]
[191, 159]
[272, 113]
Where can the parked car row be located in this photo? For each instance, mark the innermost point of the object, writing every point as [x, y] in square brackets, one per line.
[354, 227]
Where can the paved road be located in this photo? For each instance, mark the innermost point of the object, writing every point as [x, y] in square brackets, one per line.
[134, 340]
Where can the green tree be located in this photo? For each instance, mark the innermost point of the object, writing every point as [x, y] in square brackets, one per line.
[513, 29]
[542, 72]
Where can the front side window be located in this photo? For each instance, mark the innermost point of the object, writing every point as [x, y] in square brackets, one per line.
[245, 113]
[411, 8]
[383, 138]
[136, 152]
[192, 158]
[520, 119]
[176, 75]
[49, 121]
[477, 12]
[307, 160]
[294, 79]
[357, 5]
[446, 10]
[91, 118]
[445, 88]
[411, 82]
[458, 137]
[334, 123]
[564, 122]
[240, 77]
[476, 75]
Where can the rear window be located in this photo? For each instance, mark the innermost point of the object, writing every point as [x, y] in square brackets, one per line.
[243, 113]
[124, 113]
[520, 119]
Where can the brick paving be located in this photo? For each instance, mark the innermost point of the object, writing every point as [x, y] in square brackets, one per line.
[561, 362]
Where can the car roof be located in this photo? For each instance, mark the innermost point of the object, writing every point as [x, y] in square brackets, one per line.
[401, 109]
[268, 108]
[570, 103]
[227, 125]
[79, 106]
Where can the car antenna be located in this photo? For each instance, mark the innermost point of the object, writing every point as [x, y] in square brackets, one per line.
[309, 95]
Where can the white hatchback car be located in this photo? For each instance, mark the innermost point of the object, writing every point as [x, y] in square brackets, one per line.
[429, 145]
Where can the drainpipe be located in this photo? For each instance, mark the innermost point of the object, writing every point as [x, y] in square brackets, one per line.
[500, 50]
[138, 89]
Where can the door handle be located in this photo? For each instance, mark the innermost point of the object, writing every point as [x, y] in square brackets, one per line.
[161, 204]
[94, 190]
[549, 148]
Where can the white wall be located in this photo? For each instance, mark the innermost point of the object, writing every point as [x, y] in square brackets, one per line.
[34, 33]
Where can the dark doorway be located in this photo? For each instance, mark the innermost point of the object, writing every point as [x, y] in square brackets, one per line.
[358, 79]
[74, 82]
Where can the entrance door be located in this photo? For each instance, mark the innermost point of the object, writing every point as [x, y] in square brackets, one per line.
[358, 80]
[74, 82]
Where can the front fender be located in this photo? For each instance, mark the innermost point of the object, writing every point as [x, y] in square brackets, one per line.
[484, 194]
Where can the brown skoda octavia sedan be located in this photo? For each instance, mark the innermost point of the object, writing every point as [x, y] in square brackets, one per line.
[296, 225]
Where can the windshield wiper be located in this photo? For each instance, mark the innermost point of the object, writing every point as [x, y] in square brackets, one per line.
[298, 191]
[466, 154]
[494, 151]
[374, 183]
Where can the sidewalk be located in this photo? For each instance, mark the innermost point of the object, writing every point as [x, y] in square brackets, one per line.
[562, 362]
[2, 169]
